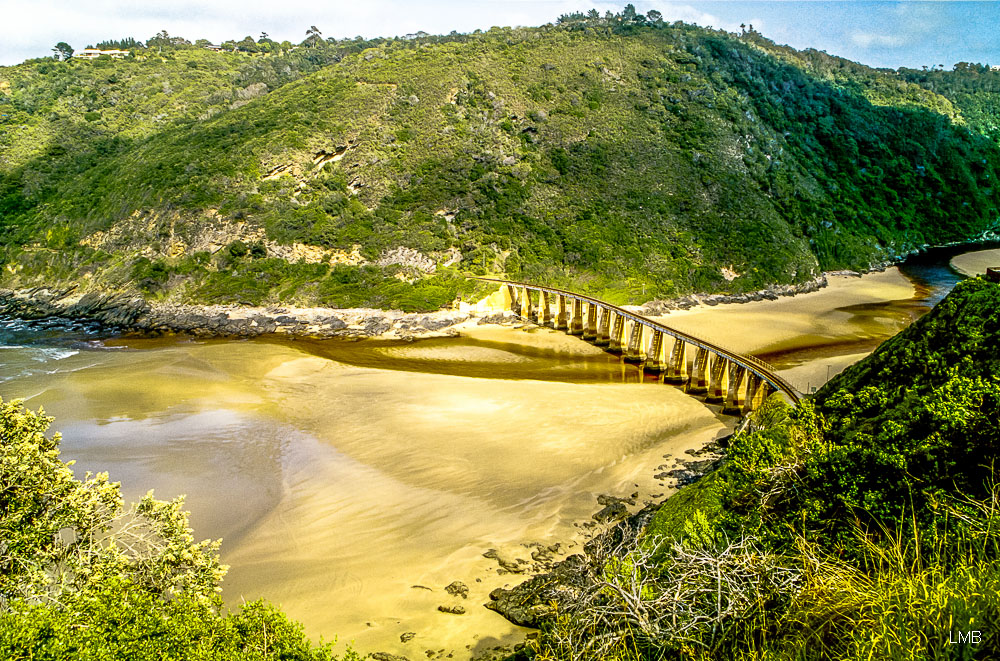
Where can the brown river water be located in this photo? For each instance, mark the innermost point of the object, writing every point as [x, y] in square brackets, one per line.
[352, 481]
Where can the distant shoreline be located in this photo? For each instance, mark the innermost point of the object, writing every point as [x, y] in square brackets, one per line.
[129, 312]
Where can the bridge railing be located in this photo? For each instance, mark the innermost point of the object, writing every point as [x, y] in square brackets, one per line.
[755, 365]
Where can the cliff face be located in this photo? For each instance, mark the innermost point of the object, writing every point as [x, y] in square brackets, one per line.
[630, 161]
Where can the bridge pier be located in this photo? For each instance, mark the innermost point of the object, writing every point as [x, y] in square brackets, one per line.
[654, 356]
[508, 295]
[717, 381]
[634, 352]
[576, 323]
[698, 384]
[604, 328]
[757, 392]
[544, 309]
[562, 316]
[677, 364]
[590, 329]
[527, 309]
[736, 395]
[617, 334]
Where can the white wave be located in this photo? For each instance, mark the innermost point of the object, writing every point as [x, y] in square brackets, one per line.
[53, 353]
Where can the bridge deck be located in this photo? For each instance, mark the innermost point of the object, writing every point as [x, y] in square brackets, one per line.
[751, 363]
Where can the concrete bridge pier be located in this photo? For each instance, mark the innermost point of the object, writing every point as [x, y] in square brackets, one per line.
[590, 328]
[717, 380]
[677, 364]
[576, 322]
[757, 392]
[527, 309]
[654, 355]
[509, 298]
[698, 384]
[633, 353]
[562, 315]
[615, 344]
[604, 328]
[544, 309]
[736, 395]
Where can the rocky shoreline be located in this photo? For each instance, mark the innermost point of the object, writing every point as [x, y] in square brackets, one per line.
[556, 585]
[130, 312]
[537, 599]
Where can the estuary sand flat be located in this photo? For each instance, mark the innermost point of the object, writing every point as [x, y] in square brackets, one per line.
[834, 312]
[976, 263]
[337, 487]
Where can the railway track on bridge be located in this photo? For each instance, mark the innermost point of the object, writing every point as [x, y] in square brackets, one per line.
[737, 380]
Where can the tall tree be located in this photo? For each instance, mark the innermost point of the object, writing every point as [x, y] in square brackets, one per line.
[62, 51]
[313, 36]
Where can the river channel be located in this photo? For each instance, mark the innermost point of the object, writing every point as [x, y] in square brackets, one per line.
[352, 481]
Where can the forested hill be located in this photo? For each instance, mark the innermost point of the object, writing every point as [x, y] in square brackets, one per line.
[621, 156]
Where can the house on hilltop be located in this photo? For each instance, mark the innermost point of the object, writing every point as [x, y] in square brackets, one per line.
[94, 53]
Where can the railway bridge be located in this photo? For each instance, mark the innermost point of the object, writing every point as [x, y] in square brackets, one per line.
[739, 382]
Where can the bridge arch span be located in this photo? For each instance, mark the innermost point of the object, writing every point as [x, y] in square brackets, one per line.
[740, 382]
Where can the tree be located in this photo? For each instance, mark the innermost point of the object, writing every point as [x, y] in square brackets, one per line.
[62, 534]
[128, 43]
[164, 40]
[313, 36]
[62, 51]
[247, 45]
[654, 17]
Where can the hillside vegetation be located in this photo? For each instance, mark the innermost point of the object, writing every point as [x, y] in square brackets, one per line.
[621, 156]
[860, 525]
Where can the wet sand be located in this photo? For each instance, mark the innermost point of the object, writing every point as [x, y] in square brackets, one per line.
[976, 263]
[810, 337]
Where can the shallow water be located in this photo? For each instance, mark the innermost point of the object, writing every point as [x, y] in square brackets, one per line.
[343, 474]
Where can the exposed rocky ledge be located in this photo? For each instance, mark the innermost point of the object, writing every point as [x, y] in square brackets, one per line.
[540, 598]
[131, 313]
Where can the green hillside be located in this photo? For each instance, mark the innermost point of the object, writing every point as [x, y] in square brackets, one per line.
[623, 157]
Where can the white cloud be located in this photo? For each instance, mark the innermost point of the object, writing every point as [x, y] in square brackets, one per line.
[869, 39]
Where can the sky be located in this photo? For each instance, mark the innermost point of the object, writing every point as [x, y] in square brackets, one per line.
[910, 33]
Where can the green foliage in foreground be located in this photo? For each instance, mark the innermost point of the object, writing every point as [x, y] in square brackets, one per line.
[83, 577]
[119, 620]
[863, 524]
[621, 156]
